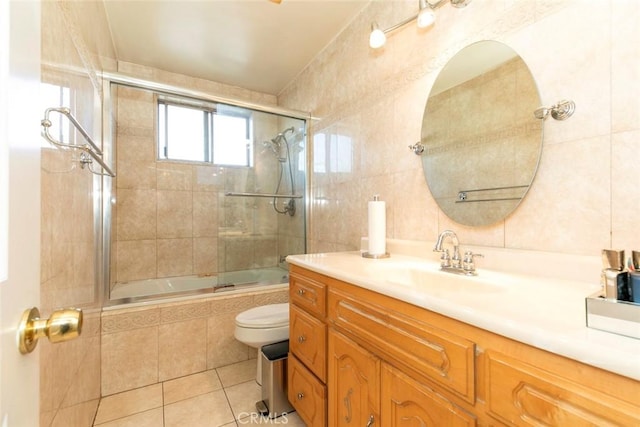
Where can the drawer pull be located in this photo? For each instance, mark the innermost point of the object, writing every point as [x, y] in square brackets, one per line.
[301, 339]
[370, 422]
[300, 395]
[300, 292]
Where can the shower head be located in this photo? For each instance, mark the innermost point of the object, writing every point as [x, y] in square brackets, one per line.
[275, 145]
[291, 129]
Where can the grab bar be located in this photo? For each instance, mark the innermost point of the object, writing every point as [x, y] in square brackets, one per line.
[91, 148]
[274, 196]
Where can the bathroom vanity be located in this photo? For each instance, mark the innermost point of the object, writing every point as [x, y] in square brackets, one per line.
[378, 343]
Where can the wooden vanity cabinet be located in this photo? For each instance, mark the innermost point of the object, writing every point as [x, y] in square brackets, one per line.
[390, 364]
[307, 364]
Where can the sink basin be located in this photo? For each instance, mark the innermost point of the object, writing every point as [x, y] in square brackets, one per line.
[427, 277]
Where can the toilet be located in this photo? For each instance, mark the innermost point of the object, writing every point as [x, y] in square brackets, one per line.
[259, 326]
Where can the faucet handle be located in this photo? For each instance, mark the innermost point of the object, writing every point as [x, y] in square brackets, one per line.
[467, 263]
[445, 259]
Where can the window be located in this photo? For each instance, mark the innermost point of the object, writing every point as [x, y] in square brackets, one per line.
[203, 132]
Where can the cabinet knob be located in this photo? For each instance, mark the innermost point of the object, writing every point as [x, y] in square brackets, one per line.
[300, 395]
[300, 292]
[301, 339]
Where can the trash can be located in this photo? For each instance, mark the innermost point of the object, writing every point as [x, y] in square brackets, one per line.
[274, 380]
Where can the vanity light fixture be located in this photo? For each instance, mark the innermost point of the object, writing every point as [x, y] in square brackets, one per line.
[424, 18]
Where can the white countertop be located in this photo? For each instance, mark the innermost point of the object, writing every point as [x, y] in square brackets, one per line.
[543, 312]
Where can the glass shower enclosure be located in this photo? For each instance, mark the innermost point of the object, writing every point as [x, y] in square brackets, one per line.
[209, 195]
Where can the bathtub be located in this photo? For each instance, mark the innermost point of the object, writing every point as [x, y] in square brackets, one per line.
[171, 287]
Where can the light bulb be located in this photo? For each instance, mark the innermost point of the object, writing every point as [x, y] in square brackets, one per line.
[426, 18]
[377, 38]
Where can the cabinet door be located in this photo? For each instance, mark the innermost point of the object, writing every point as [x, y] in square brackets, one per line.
[354, 384]
[306, 393]
[407, 403]
[307, 340]
[524, 395]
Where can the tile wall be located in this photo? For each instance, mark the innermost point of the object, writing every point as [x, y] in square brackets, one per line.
[583, 198]
[173, 219]
[70, 372]
[152, 344]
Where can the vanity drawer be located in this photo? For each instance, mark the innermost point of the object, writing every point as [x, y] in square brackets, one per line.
[522, 394]
[306, 393]
[307, 292]
[308, 341]
[404, 336]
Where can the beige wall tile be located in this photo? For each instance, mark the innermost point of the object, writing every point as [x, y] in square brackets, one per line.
[175, 214]
[136, 161]
[222, 347]
[207, 178]
[183, 348]
[136, 260]
[625, 203]
[205, 255]
[136, 214]
[181, 311]
[129, 360]
[175, 257]
[205, 214]
[174, 176]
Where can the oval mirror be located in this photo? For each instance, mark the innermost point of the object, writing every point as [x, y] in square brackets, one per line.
[481, 140]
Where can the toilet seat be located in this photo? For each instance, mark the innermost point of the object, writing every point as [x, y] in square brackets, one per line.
[264, 317]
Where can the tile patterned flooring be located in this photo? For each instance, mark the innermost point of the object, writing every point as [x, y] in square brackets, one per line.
[222, 397]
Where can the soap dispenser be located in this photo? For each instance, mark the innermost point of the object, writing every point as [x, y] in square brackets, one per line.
[615, 279]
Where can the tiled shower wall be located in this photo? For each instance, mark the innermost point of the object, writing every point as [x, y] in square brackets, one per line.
[173, 219]
[583, 198]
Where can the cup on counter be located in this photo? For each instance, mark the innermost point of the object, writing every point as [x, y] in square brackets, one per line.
[634, 285]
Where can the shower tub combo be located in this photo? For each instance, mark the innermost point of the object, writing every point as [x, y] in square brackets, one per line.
[237, 281]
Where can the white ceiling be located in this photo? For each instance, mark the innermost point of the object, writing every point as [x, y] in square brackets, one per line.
[254, 44]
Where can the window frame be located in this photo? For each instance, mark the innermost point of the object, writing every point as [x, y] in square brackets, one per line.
[209, 110]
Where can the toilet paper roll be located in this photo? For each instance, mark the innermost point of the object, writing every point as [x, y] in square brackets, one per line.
[377, 228]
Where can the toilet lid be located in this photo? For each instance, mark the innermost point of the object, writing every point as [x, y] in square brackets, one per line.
[265, 316]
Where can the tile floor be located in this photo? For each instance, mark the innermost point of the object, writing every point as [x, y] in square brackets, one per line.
[222, 397]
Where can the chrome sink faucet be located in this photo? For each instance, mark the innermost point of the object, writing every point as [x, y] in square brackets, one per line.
[445, 260]
[454, 264]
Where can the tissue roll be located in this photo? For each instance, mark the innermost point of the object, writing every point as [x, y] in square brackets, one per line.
[377, 228]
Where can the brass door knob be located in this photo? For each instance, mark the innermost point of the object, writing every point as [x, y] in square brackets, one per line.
[63, 325]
